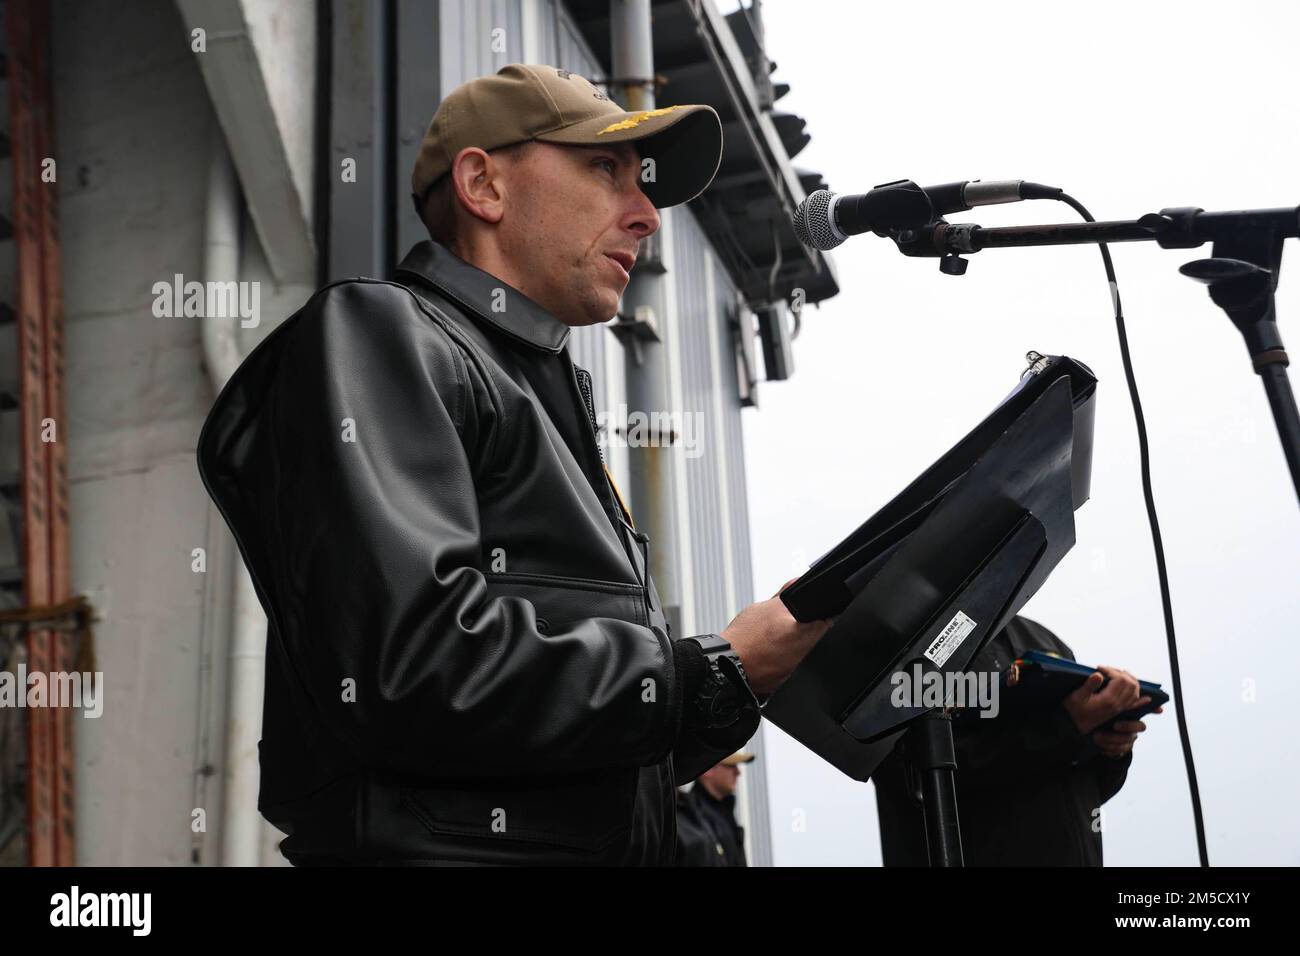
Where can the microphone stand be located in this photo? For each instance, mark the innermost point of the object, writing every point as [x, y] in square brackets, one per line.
[1242, 275]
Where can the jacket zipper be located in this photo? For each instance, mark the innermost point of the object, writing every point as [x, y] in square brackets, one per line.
[643, 539]
[583, 378]
[584, 388]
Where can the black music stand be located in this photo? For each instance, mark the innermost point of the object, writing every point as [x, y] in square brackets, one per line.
[928, 579]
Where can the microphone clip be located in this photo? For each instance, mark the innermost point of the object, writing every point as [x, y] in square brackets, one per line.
[942, 239]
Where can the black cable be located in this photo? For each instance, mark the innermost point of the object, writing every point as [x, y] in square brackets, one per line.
[1155, 532]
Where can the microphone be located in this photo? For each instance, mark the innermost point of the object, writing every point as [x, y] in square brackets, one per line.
[824, 220]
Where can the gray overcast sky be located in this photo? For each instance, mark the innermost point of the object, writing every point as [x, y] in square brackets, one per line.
[1131, 107]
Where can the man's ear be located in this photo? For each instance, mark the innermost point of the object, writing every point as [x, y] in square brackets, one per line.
[479, 187]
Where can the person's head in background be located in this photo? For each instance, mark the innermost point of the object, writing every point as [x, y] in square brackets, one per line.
[721, 779]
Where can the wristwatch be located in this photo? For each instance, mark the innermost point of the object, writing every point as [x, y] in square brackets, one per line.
[725, 691]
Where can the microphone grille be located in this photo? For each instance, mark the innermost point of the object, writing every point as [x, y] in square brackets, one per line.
[812, 221]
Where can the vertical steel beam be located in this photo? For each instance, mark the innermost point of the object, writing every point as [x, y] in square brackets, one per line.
[43, 463]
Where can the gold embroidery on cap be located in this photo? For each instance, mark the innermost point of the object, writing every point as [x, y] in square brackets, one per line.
[636, 119]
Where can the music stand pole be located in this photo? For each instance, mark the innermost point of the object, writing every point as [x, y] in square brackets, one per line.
[930, 746]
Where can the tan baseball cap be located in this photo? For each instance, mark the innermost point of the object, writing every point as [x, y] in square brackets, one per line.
[523, 101]
[739, 757]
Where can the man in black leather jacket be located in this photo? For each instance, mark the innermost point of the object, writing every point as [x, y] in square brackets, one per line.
[467, 661]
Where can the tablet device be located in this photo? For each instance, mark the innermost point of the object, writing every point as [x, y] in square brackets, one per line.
[1046, 678]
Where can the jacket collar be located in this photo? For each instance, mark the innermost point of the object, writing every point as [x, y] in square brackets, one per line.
[477, 291]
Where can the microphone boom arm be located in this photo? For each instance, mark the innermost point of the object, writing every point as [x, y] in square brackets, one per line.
[1242, 275]
[1178, 228]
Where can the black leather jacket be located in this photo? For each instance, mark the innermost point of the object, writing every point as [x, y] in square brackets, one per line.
[466, 661]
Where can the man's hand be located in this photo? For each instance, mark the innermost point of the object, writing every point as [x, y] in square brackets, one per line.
[1116, 744]
[770, 642]
[1090, 707]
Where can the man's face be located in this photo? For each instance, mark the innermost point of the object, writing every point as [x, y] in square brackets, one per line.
[722, 779]
[572, 227]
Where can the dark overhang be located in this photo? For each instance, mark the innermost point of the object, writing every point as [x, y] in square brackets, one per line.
[702, 56]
